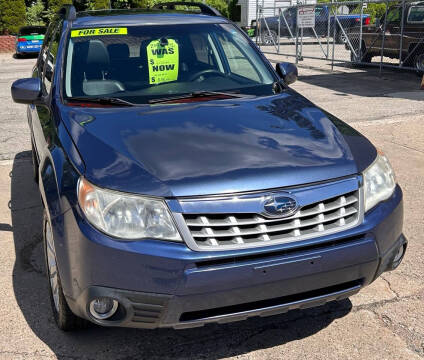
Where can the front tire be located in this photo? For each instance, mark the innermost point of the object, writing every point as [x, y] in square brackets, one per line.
[65, 319]
[341, 38]
[269, 38]
[364, 57]
[419, 63]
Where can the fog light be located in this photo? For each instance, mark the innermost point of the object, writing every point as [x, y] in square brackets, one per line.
[103, 308]
[398, 257]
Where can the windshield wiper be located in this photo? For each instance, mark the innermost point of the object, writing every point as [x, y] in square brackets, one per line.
[102, 100]
[218, 95]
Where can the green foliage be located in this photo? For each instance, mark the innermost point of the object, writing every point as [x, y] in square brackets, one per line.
[141, 4]
[120, 4]
[97, 4]
[376, 11]
[53, 6]
[12, 15]
[35, 13]
[220, 5]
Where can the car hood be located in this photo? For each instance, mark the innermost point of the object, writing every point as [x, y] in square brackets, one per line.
[215, 147]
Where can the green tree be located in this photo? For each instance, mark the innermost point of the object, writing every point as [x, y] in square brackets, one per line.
[376, 11]
[120, 4]
[12, 15]
[98, 4]
[34, 13]
[53, 6]
[140, 4]
[220, 5]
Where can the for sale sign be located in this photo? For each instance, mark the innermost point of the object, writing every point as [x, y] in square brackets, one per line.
[306, 17]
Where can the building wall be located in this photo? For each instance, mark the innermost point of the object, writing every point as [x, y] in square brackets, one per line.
[7, 43]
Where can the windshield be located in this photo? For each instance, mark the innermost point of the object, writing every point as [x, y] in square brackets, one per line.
[141, 63]
[32, 30]
[416, 14]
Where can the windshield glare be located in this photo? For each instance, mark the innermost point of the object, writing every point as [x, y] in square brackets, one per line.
[140, 63]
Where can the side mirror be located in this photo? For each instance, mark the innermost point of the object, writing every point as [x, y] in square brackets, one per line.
[287, 72]
[26, 91]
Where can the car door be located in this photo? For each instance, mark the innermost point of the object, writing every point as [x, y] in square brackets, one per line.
[413, 37]
[42, 126]
[393, 31]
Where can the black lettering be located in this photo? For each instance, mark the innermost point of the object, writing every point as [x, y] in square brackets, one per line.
[170, 66]
[160, 52]
[171, 50]
[155, 68]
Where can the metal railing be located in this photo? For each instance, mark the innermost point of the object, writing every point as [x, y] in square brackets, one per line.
[382, 33]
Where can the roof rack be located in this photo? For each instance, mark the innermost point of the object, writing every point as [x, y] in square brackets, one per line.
[204, 9]
[68, 12]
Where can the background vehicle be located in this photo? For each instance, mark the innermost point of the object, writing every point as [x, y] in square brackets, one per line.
[184, 182]
[407, 30]
[321, 24]
[29, 40]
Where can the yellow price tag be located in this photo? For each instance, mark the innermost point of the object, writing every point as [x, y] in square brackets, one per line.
[99, 32]
[163, 61]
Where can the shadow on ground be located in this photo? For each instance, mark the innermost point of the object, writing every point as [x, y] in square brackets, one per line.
[25, 56]
[368, 82]
[209, 342]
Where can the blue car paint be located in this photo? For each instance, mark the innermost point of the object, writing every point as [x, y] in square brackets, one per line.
[159, 267]
[268, 142]
[327, 149]
[26, 47]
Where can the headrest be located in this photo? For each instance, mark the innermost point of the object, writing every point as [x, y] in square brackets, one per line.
[97, 53]
[118, 51]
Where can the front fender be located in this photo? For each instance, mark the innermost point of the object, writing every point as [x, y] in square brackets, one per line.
[59, 172]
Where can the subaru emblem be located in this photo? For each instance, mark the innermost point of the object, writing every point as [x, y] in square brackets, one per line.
[280, 206]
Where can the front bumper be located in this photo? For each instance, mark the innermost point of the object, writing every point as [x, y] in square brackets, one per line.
[163, 284]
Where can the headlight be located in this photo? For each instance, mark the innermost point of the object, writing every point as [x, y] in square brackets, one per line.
[126, 216]
[379, 182]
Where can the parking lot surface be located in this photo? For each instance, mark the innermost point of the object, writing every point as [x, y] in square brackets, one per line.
[384, 321]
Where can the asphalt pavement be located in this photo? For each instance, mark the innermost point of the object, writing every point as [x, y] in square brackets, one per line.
[384, 321]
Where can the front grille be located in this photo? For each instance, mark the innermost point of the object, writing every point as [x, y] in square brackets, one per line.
[214, 231]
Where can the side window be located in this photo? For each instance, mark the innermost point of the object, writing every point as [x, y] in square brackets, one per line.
[239, 63]
[43, 51]
[416, 15]
[50, 59]
[394, 15]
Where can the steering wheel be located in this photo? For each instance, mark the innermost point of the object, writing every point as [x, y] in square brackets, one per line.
[204, 72]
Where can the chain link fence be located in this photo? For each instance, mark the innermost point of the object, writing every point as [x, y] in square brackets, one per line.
[376, 33]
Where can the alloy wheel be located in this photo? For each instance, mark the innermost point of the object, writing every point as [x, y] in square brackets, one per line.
[269, 39]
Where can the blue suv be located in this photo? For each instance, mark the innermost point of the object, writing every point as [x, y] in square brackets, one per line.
[184, 182]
